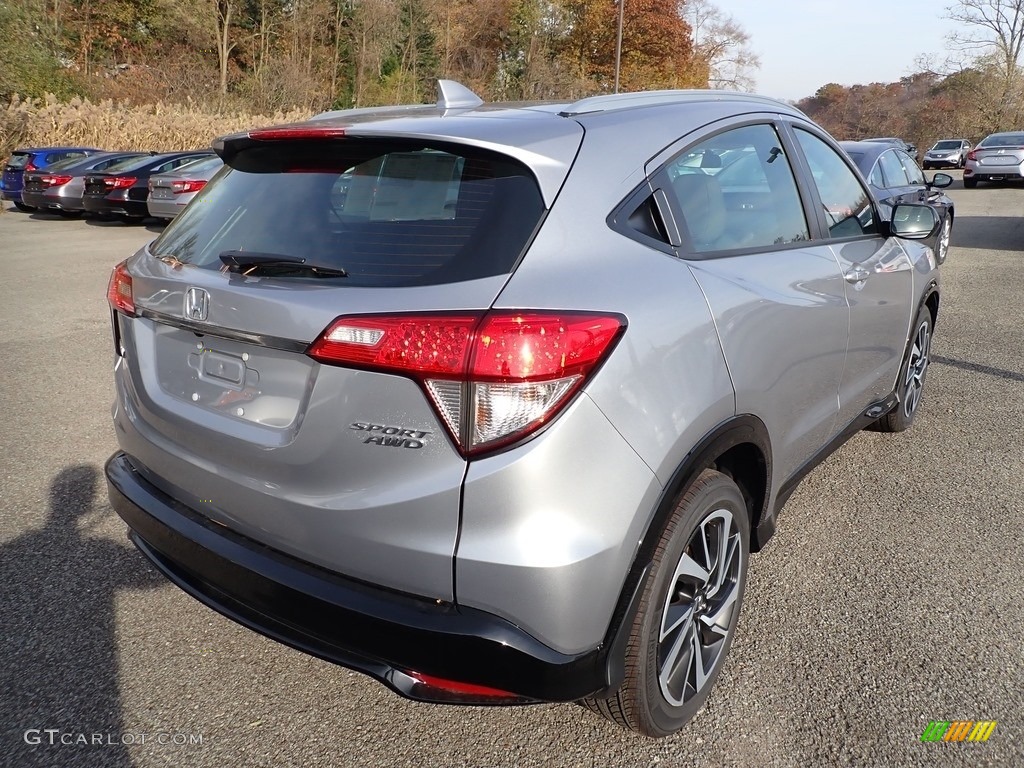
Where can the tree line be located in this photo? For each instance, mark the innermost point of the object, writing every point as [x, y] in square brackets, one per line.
[265, 56]
[269, 55]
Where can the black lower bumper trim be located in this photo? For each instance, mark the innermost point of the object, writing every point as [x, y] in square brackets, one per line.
[382, 633]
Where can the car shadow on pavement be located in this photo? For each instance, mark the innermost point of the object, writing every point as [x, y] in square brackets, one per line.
[978, 368]
[997, 233]
[59, 698]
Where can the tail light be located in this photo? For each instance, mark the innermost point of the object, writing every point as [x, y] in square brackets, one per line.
[119, 290]
[972, 155]
[297, 133]
[494, 378]
[30, 166]
[55, 181]
[119, 182]
[190, 185]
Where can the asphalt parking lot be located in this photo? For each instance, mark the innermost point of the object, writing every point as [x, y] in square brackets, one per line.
[892, 594]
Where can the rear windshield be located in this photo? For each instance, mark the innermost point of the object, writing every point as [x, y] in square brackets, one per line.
[1003, 140]
[129, 163]
[203, 168]
[67, 162]
[18, 160]
[947, 145]
[388, 213]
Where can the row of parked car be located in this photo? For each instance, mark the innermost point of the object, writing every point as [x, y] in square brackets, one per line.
[124, 185]
[997, 157]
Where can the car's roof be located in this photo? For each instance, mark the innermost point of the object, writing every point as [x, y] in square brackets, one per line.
[27, 150]
[865, 153]
[545, 136]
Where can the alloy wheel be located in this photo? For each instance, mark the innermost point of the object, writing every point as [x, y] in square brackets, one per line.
[699, 607]
[917, 366]
[943, 249]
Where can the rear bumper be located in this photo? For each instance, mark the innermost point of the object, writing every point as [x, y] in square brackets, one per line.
[114, 206]
[395, 638]
[1011, 173]
[164, 209]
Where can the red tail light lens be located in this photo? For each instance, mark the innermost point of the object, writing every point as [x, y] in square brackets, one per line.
[119, 182]
[55, 181]
[297, 133]
[493, 377]
[972, 155]
[119, 290]
[190, 185]
[30, 166]
[433, 688]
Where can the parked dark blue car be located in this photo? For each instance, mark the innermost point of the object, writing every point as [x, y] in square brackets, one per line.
[30, 159]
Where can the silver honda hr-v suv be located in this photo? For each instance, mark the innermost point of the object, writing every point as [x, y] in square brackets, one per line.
[493, 402]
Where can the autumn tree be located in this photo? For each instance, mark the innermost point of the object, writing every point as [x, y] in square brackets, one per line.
[721, 45]
[657, 50]
[991, 34]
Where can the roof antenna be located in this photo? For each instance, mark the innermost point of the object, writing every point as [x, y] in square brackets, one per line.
[453, 95]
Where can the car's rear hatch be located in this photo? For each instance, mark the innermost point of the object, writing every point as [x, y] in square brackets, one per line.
[13, 170]
[1003, 155]
[221, 405]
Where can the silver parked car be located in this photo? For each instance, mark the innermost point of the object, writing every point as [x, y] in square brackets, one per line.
[169, 193]
[492, 403]
[59, 188]
[998, 157]
[947, 153]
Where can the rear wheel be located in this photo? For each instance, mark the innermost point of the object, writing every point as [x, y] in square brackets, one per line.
[688, 611]
[22, 207]
[910, 387]
[970, 183]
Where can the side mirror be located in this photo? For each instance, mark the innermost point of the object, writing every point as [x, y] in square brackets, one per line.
[940, 181]
[914, 221]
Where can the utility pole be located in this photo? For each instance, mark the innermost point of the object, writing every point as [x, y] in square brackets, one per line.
[618, 45]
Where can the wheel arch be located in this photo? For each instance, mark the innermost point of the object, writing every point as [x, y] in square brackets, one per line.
[739, 448]
[930, 299]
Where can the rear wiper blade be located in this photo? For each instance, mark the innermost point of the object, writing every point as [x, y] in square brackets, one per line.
[248, 262]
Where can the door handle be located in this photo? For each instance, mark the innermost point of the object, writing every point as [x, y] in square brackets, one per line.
[857, 274]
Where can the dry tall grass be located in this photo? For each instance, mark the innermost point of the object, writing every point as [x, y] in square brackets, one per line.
[110, 125]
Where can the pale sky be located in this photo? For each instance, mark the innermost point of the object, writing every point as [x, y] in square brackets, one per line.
[804, 44]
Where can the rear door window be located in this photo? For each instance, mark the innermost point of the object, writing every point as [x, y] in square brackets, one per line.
[737, 190]
[388, 213]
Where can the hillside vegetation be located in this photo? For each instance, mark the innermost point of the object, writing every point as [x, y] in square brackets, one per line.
[174, 73]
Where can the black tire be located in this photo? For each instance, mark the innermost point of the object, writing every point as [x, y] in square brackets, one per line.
[650, 700]
[913, 371]
[22, 207]
[970, 183]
